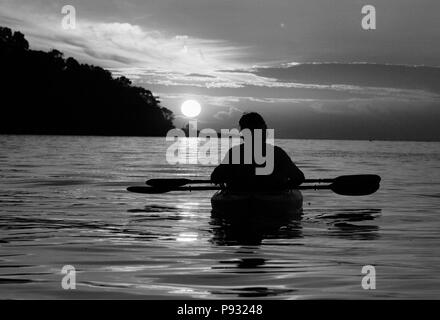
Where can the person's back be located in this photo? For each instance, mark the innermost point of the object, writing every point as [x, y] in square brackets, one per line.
[241, 176]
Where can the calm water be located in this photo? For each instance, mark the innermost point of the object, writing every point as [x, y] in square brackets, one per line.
[63, 202]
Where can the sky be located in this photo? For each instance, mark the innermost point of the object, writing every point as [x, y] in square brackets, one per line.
[307, 66]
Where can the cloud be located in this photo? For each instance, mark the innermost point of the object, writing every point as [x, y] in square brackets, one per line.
[155, 58]
[123, 45]
[198, 75]
[353, 118]
[357, 74]
[231, 112]
[316, 81]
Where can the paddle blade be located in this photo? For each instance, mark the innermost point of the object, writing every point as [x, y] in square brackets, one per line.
[357, 185]
[167, 183]
[358, 179]
[147, 190]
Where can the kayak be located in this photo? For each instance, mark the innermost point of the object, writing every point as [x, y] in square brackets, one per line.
[267, 204]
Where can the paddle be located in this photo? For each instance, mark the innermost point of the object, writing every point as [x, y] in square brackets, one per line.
[351, 179]
[359, 185]
[173, 183]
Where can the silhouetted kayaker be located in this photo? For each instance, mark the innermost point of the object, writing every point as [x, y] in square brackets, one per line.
[237, 175]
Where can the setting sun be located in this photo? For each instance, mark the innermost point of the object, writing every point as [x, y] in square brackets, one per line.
[191, 108]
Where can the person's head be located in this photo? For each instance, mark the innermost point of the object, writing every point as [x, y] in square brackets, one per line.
[252, 121]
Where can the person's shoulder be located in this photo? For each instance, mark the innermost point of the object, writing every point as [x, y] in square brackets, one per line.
[236, 148]
[279, 152]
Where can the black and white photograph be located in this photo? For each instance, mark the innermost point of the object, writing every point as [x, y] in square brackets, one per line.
[219, 150]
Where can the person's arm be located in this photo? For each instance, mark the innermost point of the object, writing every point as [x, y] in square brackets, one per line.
[296, 176]
[292, 172]
[221, 173]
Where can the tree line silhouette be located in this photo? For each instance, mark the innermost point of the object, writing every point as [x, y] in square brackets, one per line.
[44, 93]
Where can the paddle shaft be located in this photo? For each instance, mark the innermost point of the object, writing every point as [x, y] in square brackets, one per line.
[218, 188]
[182, 182]
[305, 181]
[213, 188]
[354, 185]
